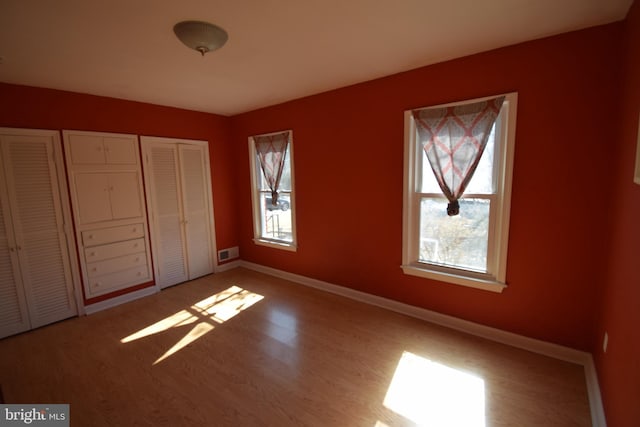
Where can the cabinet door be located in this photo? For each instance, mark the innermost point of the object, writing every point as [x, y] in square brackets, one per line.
[120, 150]
[14, 316]
[124, 195]
[36, 212]
[195, 205]
[92, 193]
[86, 150]
[167, 232]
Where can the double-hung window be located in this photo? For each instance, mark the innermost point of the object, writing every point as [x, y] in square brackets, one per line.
[272, 192]
[463, 241]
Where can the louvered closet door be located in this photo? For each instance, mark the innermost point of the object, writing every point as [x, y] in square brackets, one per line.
[196, 210]
[168, 237]
[14, 316]
[36, 212]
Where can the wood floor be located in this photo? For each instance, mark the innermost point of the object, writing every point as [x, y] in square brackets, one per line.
[243, 349]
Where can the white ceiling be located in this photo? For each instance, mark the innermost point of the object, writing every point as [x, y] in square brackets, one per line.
[278, 50]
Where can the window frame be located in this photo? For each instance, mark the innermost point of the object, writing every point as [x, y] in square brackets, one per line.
[495, 278]
[254, 166]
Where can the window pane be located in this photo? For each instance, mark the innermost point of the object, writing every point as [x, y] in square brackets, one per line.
[285, 180]
[276, 220]
[482, 181]
[429, 183]
[459, 241]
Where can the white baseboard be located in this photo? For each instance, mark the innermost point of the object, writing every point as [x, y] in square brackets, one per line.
[227, 266]
[595, 398]
[112, 302]
[519, 341]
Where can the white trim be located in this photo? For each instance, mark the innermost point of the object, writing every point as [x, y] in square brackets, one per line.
[495, 278]
[541, 347]
[514, 340]
[72, 247]
[484, 284]
[121, 299]
[258, 239]
[504, 210]
[227, 266]
[285, 246]
[593, 388]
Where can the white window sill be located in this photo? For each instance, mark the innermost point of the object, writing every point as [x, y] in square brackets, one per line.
[456, 279]
[276, 244]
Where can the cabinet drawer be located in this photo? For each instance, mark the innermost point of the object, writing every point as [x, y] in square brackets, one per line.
[113, 234]
[120, 280]
[113, 265]
[113, 250]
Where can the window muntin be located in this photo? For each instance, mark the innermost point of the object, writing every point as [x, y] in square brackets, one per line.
[468, 249]
[274, 225]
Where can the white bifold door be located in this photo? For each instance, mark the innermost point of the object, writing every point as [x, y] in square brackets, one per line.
[36, 279]
[178, 182]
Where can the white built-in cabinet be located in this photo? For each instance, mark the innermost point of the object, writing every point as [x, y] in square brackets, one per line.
[105, 178]
[37, 254]
[178, 182]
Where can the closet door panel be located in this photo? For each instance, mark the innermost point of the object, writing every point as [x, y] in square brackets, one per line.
[168, 235]
[87, 150]
[93, 197]
[196, 212]
[14, 316]
[39, 228]
[124, 195]
[122, 151]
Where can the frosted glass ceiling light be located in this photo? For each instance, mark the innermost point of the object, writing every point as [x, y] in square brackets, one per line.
[201, 36]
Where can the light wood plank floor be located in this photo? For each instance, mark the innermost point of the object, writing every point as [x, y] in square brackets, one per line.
[243, 349]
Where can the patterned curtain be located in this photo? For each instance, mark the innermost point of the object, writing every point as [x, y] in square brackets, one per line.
[454, 139]
[271, 150]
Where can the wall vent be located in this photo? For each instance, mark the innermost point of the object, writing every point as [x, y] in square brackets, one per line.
[229, 253]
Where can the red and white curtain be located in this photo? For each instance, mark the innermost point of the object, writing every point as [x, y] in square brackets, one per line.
[454, 139]
[272, 150]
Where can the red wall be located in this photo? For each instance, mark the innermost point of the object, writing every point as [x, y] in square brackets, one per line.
[348, 147]
[29, 107]
[619, 367]
[574, 242]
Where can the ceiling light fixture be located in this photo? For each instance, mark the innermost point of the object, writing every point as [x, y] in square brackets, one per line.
[201, 36]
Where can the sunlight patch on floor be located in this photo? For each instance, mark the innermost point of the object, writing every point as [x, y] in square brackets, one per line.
[180, 318]
[432, 394]
[198, 331]
[208, 313]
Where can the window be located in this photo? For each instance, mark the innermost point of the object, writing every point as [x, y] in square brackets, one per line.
[470, 248]
[272, 193]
